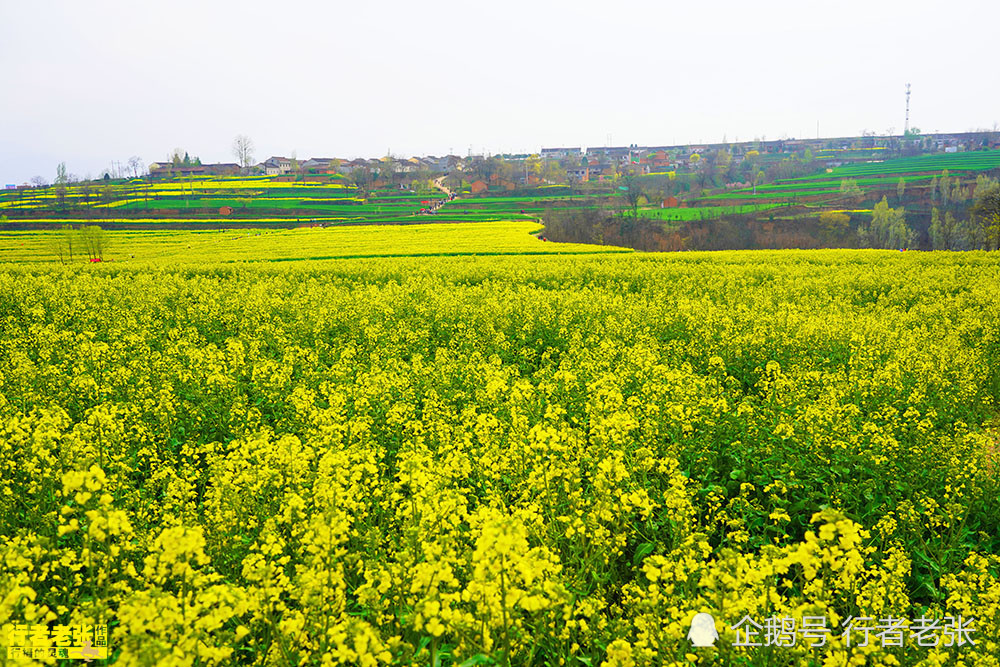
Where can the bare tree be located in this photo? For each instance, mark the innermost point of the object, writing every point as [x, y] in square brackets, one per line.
[135, 164]
[39, 181]
[95, 241]
[62, 242]
[57, 242]
[61, 196]
[68, 235]
[86, 191]
[243, 150]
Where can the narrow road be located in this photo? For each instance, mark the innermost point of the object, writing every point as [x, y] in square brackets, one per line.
[439, 184]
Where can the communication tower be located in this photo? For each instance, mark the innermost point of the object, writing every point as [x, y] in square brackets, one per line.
[906, 126]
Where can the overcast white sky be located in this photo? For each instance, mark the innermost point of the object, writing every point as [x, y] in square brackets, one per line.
[90, 82]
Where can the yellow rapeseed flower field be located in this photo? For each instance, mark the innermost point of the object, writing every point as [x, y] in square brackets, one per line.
[196, 247]
[512, 460]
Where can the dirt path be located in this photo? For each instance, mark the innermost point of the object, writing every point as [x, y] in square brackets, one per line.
[439, 184]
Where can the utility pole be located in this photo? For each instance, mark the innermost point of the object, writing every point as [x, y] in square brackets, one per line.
[906, 125]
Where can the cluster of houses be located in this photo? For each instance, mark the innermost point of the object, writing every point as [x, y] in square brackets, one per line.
[279, 166]
[577, 164]
[597, 163]
[180, 169]
[594, 163]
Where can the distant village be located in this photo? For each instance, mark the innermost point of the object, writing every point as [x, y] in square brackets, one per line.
[580, 165]
[571, 165]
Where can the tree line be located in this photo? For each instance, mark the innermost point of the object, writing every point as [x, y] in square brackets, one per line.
[963, 217]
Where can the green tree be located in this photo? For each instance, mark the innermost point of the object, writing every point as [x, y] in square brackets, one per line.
[986, 211]
[833, 226]
[958, 193]
[939, 235]
[962, 234]
[532, 167]
[888, 228]
[706, 170]
[362, 178]
[630, 191]
[387, 170]
[850, 187]
[984, 183]
[900, 190]
[944, 187]
[552, 172]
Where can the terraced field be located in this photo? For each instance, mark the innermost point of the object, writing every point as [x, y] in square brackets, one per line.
[206, 196]
[873, 175]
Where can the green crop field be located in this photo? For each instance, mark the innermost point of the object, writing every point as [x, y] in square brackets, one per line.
[973, 161]
[702, 212]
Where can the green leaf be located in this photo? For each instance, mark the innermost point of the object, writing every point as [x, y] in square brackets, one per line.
[642, 551]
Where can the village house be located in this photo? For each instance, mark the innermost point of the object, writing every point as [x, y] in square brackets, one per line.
[560, 153]
[450, 163]
[318, 165]
[595, 170]
[170, 169]
[616, 154]
[275, 166]
[350, 165]
[407, 166]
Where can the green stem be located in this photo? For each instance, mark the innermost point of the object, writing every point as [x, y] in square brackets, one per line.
[503, 608]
